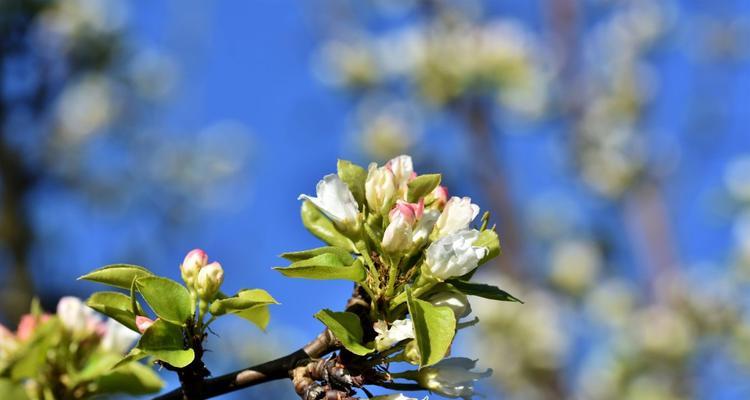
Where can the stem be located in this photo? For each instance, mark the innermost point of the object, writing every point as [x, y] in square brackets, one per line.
[401, 298]
[392, 275]
[266, 372]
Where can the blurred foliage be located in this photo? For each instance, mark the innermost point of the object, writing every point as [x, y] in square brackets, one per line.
[611, 308]
[78, 101]
[72, 354]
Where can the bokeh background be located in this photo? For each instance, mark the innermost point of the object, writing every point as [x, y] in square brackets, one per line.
[608, 138]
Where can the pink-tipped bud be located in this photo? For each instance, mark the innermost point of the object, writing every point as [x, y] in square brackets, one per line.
[209, 280]
[439, 196]
[194, 261]
[404, 210]
[409, 211]
[26, 327]
[143, 323]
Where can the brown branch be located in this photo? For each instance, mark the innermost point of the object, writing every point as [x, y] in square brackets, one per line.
[266, 372]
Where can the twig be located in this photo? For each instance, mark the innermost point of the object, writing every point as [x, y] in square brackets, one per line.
[268, 371]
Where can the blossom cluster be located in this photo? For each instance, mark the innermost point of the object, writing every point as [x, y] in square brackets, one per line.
[411, 250]
[70, 354]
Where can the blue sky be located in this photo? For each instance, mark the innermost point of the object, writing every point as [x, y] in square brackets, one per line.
[251, 62]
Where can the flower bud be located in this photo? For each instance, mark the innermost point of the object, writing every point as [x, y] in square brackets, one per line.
[143, 323]
[402, 168]
[209, 280]
[380, 189]
[438, 197]
[453, 255]
[424, 227]
[456, 301]
[403, 172]
[398, 235]
[457, 215]
[26, 327]
[194, 261]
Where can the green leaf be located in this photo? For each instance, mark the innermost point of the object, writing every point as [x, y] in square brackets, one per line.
[354, 176]
[343, 254]
[488, 238]
[483, 290]
[422, 186]
[133, 379]
[12, 390]
[322, 227]
[434, 328]
[165, 342]
[260, 316]
[347, 328]
[135, 354]
[243, 300]
[169, 300]
[114, 305]
[325, 266]
[31, 356]
[117, 275]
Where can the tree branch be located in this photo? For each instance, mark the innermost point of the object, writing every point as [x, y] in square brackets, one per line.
[266, 372]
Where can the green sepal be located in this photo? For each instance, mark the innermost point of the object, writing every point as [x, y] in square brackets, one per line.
[354, 176]
[488, 238]
[421, 186]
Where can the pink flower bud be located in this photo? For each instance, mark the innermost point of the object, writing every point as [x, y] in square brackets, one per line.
[409, 211]
[404, 210]
[439, 196]
[26, 326]
[209, 280]
[194, 261]
[143, 323]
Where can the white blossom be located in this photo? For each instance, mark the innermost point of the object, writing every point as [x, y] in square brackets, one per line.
[424, 227]
[336, 201]
[451, 377]
[400, 330]
[456, 216]
[380, 189]
[402, 168]
[76, 316]
[453, 255]
[398, 235]
[117, 337]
